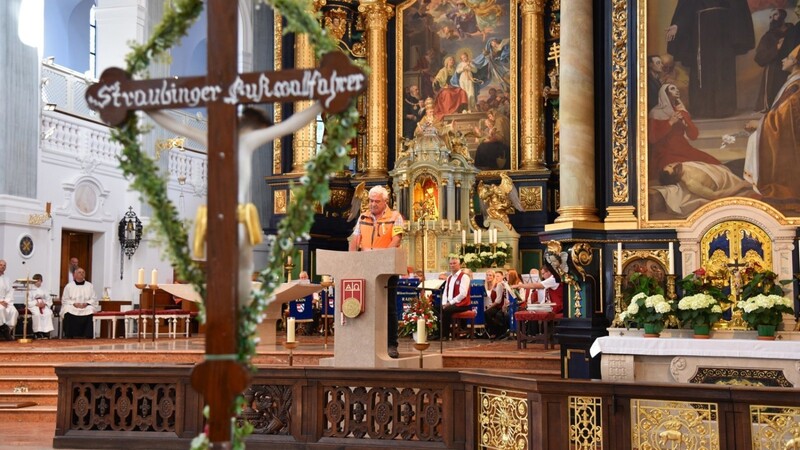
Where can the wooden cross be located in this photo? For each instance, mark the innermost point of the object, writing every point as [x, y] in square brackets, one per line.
[220, 378]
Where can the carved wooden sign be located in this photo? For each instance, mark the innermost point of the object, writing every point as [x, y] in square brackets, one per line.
[333, 84]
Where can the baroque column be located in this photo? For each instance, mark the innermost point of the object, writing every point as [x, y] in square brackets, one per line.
[576, 107]
[532, 148]
[304, 142]
[377, 14]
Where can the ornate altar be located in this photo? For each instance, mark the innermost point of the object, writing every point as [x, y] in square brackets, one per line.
[433, 179]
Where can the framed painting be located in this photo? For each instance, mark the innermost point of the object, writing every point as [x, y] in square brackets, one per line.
[456, 60]
[718, 81]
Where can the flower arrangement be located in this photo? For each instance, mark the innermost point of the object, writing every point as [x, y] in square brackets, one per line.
[762, 297]
[647, 310]
[765, 309]
[477, 256]
[700, 282]
[646, 304]
[421, 307]
[698, 310]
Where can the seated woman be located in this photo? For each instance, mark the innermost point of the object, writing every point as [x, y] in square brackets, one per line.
[495, 323]
[78, 305]
[488, 285]
[39, 305]
[548, 290]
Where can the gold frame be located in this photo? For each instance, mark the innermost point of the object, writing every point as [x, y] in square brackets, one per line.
[513, 81]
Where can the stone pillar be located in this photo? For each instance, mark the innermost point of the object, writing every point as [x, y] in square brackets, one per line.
[19, 126]
[532, 58]
[304, 143]
[377, 14]
[118, 22]
[577, 181]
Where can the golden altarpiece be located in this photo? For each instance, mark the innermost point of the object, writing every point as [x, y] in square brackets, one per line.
[432, 181]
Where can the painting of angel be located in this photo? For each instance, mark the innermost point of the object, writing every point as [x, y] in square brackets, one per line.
[459, 53]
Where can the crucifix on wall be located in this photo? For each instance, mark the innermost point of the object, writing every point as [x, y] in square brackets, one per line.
[221, 91]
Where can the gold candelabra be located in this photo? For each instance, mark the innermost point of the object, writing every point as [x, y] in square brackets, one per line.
[326, 282]
[617, 322]
[421, 347]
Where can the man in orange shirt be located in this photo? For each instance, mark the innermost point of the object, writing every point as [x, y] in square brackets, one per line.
[381, 228]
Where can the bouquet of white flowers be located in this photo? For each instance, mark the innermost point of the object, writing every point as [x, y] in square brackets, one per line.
[651, 310]
[699, 309]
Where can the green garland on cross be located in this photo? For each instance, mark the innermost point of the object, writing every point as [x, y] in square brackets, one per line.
[313, 186]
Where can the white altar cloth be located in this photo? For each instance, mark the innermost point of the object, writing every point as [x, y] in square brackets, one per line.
[725, 348]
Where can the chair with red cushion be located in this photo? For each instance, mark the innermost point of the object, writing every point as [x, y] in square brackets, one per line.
[465, 315]
[547, 320]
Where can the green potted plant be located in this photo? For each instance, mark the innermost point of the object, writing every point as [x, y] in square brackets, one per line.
[648, 312]
[699, 311]
[763, 304]
[764, 312]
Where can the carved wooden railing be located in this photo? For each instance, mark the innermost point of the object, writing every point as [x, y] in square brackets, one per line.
[155, 407]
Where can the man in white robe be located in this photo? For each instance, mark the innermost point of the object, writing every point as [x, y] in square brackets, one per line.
[40, 306]
[78, 305]
[8, 312]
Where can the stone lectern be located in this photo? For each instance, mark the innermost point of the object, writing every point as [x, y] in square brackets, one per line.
[361, 341]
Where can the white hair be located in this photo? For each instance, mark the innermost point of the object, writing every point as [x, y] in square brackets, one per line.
[379, 190]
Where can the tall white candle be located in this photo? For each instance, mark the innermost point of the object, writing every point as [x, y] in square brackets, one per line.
[422, 333]
[140, 276]
[154, 278]
[290, 330]
[475, 237]
[463, 237]
[289, 260]
[671, 259]
[480, 237]
[494, 235]
[619, 258]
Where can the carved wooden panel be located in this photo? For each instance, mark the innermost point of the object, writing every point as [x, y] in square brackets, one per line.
[383, 413]
[124, 407]
[268, 408]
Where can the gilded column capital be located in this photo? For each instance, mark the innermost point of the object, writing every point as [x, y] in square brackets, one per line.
[531, 7]
[378, 13]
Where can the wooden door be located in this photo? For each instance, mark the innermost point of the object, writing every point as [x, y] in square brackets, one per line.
[79, 245]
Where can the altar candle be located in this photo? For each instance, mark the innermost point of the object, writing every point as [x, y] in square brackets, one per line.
[422, 333]
[671, 259]
[289, 260]
[619, 258]
[463, 237]
[480, 238]
[154, 278]
[290, 330]
[475, 237]
[494, 235]
[140, 277]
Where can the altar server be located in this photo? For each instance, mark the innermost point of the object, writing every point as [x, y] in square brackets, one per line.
[78, 305]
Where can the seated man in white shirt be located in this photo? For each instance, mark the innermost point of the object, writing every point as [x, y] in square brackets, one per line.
[78, 305]
[455, 297]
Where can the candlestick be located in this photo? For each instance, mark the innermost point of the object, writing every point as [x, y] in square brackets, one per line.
[463, 237]
[619, 258]
[290, 329]
[140, 276]
[47, 208]
[422, 333]
[671, 259]
[154, 278]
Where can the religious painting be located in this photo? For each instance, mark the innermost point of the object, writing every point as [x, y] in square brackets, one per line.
[719, 80]
[456, 62]
[426, 198]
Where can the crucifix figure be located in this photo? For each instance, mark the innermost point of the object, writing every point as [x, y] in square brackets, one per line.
[220, 378]
[736, 277]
